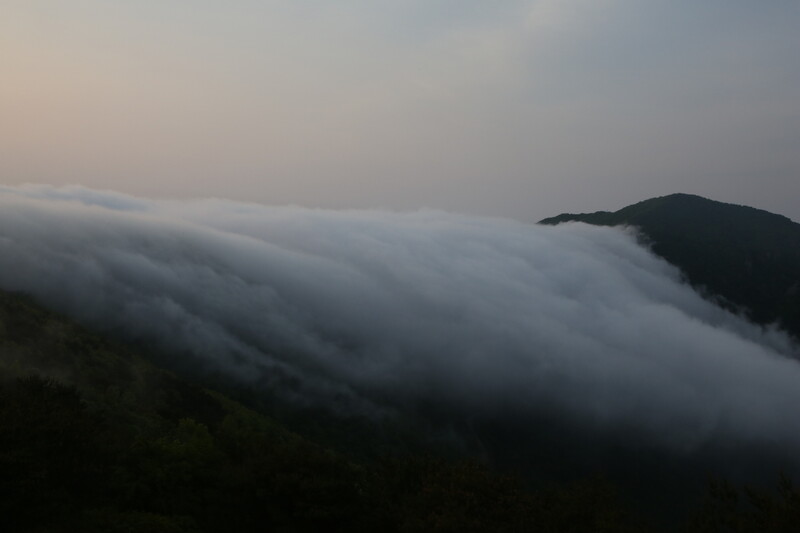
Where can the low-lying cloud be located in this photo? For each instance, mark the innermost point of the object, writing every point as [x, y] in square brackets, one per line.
[378, 311]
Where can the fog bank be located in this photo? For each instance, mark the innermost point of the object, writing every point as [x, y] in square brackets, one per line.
[376, 311]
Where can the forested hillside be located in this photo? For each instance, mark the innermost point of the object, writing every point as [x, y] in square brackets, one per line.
[99, 436]
[93, 437]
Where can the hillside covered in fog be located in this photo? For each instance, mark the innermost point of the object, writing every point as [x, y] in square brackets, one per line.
[555, 353]
[94, 438]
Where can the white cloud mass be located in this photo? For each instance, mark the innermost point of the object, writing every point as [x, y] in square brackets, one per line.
[378, 310]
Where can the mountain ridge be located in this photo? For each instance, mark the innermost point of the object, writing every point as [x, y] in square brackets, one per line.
[747, 259]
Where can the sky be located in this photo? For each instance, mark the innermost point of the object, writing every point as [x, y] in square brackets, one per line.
[521, 109]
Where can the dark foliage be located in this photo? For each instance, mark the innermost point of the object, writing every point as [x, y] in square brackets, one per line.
[729, 509]
[52, 456]
[113, 444]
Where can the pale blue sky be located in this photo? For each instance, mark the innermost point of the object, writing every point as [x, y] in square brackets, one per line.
[515, 108]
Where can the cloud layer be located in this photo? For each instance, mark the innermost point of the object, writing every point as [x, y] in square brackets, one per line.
[378, 311]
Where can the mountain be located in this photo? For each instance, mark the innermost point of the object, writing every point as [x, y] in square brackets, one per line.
[748, 259]
[97, 436]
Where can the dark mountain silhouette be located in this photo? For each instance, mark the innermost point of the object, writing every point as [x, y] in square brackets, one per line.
[748, 259]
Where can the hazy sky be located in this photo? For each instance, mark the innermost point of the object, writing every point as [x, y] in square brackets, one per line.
[515, 108]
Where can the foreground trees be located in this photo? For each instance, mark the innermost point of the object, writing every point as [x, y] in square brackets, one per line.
[65, 466]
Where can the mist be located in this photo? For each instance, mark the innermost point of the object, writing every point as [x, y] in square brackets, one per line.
[376, 312]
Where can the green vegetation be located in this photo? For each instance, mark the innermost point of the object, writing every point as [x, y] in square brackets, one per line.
[95, 438]
[747, 258]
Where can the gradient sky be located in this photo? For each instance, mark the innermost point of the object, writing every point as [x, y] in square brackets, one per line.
[516, 108]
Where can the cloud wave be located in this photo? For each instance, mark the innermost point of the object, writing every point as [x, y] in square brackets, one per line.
[379, 311]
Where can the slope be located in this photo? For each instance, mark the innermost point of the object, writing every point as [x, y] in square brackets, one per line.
[93, 437]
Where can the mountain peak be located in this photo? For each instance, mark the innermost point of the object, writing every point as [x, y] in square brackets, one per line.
[746, 257]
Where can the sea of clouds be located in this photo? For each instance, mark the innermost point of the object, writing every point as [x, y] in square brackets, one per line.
[376, 311]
